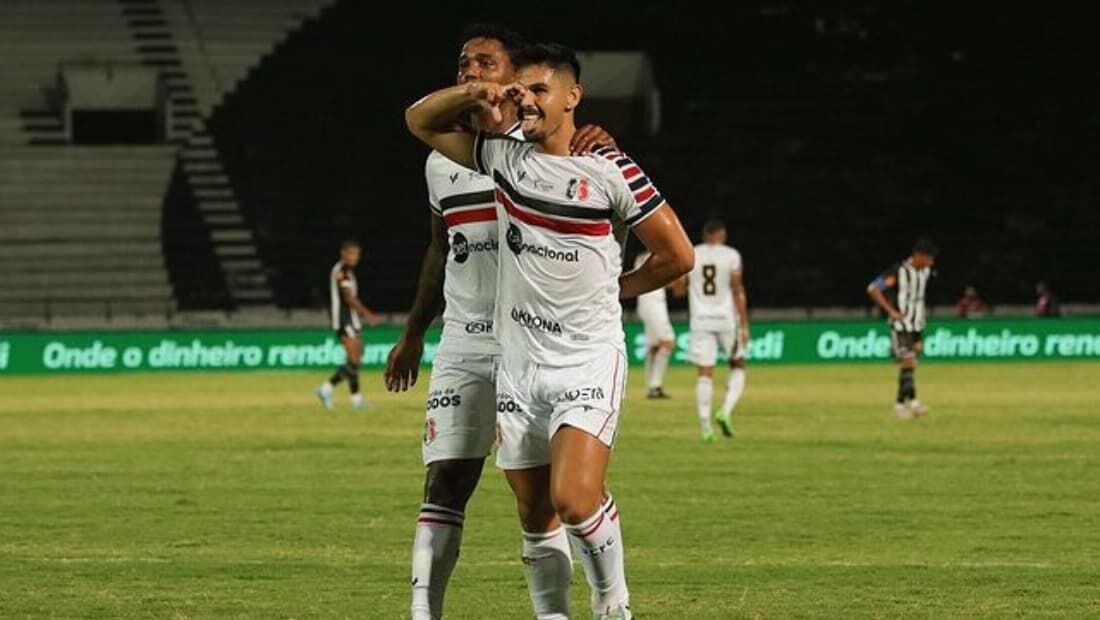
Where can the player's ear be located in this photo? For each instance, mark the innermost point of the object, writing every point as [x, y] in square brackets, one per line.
[576, 93]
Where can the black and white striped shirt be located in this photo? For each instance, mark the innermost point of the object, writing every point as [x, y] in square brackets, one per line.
[906, 285]
[343, 315]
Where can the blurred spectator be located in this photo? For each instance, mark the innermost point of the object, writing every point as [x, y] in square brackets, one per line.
[1046, 302]
[971, 305]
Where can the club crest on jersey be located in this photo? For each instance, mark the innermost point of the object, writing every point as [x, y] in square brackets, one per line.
[577, 189]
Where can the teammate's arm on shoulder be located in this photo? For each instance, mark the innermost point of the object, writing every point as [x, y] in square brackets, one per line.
[589, 138]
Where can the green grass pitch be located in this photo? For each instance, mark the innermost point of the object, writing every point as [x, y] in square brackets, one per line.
[236, 496]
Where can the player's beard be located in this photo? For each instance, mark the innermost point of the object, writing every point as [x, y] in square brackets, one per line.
[532, 123]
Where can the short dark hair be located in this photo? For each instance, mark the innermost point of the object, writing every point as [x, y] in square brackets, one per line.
[553, 55]
[712, 226]
[925, 246]
[509, 39]
[349, 243]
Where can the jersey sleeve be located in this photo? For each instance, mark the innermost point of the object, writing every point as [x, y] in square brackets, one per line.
[735, 262]
[343, 279]
[490, 150]
[433, 197]
[886, 280]
[633, 196]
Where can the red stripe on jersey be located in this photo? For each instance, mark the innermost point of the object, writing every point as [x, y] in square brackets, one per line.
[645, 194]
[631, 172]
[473, 215]
[595, 229]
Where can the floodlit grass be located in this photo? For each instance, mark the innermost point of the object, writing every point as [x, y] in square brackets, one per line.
[236, 496]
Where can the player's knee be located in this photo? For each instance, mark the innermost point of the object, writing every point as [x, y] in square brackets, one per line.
[737, 363]
[706, 371]
[450, 483]
[578, 500]
[666, 345]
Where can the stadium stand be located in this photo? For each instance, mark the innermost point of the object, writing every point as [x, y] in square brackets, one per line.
[86, 228]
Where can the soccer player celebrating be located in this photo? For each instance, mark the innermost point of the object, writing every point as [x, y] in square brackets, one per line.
[459, 272]
[718, 307]
[347, 310]
[899, 292]
[558, 318]
[659, 335]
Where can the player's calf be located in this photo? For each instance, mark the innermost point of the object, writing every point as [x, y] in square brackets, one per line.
[547, 558]
[447, 489]
[590, 516]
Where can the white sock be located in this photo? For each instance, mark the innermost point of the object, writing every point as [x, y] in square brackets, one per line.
[704, 392]
[548, 566]
[660, 365]
[326, 388]
[600, 543]
[734, 388]
[650, 358]
[435, 552]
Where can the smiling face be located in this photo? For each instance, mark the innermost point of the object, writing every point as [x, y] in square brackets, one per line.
[552, 96]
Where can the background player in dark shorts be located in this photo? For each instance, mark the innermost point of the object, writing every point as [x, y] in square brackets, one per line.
[900, 293]
[347, 311]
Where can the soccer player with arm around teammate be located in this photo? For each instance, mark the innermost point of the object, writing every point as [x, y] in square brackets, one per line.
[347, 310]
[900, 293]
[459, 271]
[558, 315]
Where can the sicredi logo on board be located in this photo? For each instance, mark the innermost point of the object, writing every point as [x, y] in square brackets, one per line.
[5, 354]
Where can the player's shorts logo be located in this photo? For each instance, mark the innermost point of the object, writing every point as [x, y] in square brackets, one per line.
[461, 247]
[430, 432]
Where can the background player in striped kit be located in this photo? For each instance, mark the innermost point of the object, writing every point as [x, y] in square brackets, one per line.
[558, 315]
[660, 338]
[459, 272]
[347, 310]
[900, 292]
[718, 307]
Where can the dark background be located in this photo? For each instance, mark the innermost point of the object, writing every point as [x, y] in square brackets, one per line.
[828, 138]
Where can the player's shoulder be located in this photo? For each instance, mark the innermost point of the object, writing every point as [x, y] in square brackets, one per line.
[610, 159]
[438, 164]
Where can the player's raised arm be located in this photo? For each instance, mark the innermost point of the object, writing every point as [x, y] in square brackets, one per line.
[433, 119]
[671, 254]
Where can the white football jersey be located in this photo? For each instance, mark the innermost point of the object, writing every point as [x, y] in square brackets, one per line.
[558, 291]
[710, 298]
[655, 298]
[465, 201]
